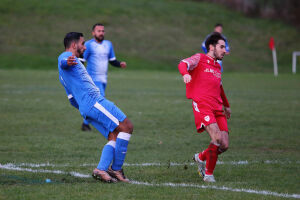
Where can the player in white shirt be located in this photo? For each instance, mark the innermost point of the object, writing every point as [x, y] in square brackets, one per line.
[98, 54]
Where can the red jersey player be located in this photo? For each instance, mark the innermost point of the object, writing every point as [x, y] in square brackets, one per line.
[202, 76]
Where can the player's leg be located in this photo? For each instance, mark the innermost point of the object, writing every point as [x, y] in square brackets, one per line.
[203, 116]
[107, 155]
[106, 118]
[115, 127]
[225, 142]
[222, 123]
[212, 151]
[219, 142]
[124, 131]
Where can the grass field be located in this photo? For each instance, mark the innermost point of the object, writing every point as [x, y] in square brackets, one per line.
[38, 126]
[147, 34]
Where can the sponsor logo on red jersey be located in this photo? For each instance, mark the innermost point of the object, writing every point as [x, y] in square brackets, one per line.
[214, 72]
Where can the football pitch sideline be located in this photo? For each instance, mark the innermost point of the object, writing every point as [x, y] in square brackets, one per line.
[45, 155]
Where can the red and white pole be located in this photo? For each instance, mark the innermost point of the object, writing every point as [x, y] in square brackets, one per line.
[272, 47]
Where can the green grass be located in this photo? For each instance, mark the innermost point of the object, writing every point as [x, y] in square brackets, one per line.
[147, 34]
[39, 126]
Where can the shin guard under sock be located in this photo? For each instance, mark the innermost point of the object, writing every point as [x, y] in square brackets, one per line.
[211, 158]
[107, 155]
[121, 150]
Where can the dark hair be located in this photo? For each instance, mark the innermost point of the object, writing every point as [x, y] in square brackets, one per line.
[98, 24]
[71, 37]
[213, 39]
[219, 24]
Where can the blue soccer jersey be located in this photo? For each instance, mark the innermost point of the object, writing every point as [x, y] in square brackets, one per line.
[98, 56]
[78, 84]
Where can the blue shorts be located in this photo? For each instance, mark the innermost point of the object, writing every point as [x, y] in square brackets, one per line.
[105, 116]
[101, 86]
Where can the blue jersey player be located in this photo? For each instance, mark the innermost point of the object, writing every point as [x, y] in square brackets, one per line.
[219, 29]
[98, 54]
[106, 117]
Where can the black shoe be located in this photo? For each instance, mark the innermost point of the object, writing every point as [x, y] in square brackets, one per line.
[85, 127]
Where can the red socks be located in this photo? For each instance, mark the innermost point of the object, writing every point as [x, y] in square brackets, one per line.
[211, 157]
[202, 155]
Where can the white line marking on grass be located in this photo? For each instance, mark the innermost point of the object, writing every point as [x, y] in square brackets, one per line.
[186, 185]
[262, 192]
[241, 162]
[40, 165]
[16, 168]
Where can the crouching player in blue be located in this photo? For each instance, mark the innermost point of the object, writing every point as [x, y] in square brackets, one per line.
[106, 117]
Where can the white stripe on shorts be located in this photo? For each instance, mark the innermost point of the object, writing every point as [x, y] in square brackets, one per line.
[105, 112]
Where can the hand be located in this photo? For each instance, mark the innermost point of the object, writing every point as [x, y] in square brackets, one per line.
[123, 65]
[71, 61]
[187, 78]
[227, 112]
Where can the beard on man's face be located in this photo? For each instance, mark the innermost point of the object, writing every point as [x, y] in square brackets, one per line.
[100, 38]
[218, 56]
[80, 53]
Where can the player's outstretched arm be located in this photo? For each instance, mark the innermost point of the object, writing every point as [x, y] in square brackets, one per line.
[70, 61]
[182, 67]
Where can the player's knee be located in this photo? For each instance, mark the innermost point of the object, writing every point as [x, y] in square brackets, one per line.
[112, 136]
[129, 126]
[126, 126]
[218, 141]
[218, 138]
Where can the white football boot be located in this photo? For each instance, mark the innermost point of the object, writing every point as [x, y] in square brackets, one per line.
[209, 178]
[201, 165]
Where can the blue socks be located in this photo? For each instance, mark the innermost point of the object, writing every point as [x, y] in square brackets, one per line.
[114, 151]
[121, 150]
[107, 155]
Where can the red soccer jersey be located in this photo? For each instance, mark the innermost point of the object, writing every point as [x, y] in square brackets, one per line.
[206, 80]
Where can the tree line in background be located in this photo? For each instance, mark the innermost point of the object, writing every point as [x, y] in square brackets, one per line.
[286, 10]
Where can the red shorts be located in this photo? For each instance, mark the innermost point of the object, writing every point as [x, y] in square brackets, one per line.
[205, 116]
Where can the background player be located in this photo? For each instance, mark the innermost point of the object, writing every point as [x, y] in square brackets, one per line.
[219, 29]
[202, 76]
[107, 118]
[98, 54]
